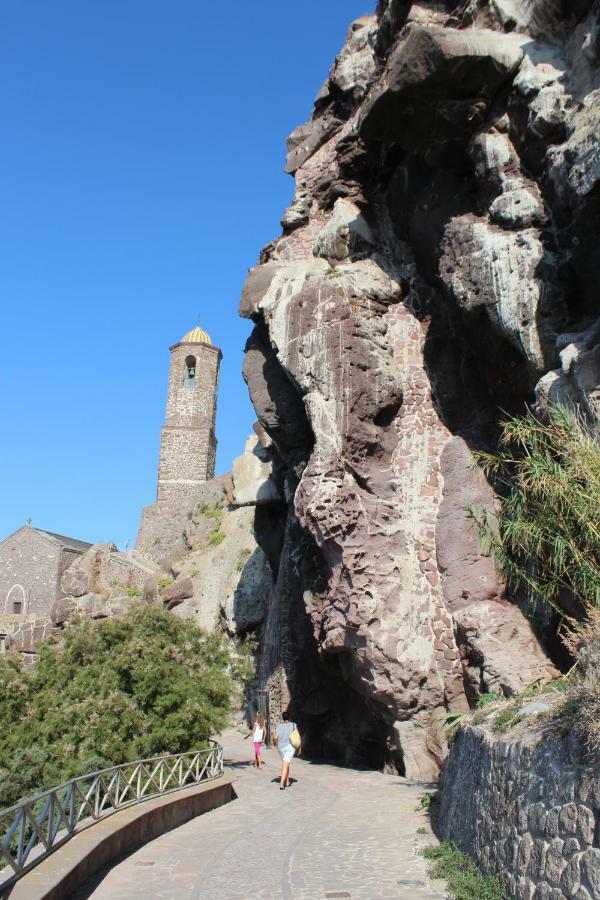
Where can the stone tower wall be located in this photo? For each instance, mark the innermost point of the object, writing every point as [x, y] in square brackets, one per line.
[188, 442]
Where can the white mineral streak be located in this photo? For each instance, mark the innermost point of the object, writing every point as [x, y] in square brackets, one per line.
[537, 18]
[548, 109]
[492, 153]
[503, 265]
[504, 48]
[543, 65]
[521, 206]
[355, 66]
[578, 379]
[346, 232]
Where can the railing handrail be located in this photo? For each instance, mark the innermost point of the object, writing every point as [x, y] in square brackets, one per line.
[34, 798]
[60, 809]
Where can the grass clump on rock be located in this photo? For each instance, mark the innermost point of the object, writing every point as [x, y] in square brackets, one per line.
[464, 879]
[112, 692]
[546, 540]
[580, 710]
[546, 536]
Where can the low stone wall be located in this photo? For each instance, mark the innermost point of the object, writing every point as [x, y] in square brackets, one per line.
[68, 868]
[523, 806]
[23, 636]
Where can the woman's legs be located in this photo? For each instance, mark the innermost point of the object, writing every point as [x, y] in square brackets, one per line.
[285, 774]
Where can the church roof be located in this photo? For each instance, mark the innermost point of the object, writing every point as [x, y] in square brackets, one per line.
[69, 542]
[196, 336]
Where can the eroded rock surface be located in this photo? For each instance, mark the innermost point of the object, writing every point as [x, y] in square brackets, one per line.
[206, 560]
[435, 265]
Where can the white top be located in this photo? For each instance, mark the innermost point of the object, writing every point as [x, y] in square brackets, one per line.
[259, 733]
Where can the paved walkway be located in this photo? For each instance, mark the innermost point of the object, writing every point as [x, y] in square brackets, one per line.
[336, 833]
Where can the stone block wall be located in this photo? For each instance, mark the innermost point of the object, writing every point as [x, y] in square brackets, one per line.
[25, 637]
[527, 808]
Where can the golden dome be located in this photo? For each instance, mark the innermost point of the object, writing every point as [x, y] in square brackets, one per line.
[196, 336]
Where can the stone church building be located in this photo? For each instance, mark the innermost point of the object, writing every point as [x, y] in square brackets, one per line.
[32, 563]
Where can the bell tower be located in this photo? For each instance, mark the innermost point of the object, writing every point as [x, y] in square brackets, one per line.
[188, 442]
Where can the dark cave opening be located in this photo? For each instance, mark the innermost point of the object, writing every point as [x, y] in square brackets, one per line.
[338, 724]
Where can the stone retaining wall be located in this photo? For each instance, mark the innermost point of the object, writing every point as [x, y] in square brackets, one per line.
[525, 807]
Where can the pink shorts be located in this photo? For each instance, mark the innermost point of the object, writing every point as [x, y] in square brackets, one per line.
[257, 747]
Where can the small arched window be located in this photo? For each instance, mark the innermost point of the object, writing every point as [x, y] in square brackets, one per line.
[190, 367]
[15, 601]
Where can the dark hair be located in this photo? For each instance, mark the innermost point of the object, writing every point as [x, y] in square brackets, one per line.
[285, 716]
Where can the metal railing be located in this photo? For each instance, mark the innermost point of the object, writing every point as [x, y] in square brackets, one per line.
[34, 828]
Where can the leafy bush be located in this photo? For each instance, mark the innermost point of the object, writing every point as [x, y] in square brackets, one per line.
[212, 512]
[134, 592]
[426, 801]
[464, 879]
[165, 583]
[216, 537]
[546, 536]
[486, 699]
[115, 691]
[452, 722]
[506, 718]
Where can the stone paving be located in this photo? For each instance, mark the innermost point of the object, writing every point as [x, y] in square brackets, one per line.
[335, 833]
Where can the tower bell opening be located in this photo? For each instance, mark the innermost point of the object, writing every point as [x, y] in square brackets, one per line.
[190, 367]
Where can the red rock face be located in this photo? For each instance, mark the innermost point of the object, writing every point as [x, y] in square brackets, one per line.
[416, 288]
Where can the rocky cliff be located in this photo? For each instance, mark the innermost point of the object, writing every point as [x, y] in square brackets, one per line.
[437, 265]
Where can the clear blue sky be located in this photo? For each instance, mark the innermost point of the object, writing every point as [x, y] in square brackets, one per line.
[141, 173]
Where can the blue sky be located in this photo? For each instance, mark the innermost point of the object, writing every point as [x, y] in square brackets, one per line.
[141, 173]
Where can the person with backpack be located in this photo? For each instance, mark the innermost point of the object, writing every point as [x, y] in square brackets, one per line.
[288, 742]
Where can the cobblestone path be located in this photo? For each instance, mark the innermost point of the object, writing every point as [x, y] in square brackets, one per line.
[336, 833]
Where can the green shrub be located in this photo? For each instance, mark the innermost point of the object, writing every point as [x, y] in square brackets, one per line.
[546, 536]
[165, 583]
[486, 699]
[452, 724]
[212, 512]
[464, 879]
[134, 592]
[114, 691]
[426, 801]
[216, 537]
[505, 719]
[422, 829]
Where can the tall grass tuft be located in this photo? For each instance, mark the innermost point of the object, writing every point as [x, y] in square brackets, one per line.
[580, 711]
[546, 534]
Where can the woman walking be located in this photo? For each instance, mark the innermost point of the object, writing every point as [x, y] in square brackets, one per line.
[286, 748]
[258, 733]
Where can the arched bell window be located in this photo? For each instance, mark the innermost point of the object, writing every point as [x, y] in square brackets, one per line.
[190, 367]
